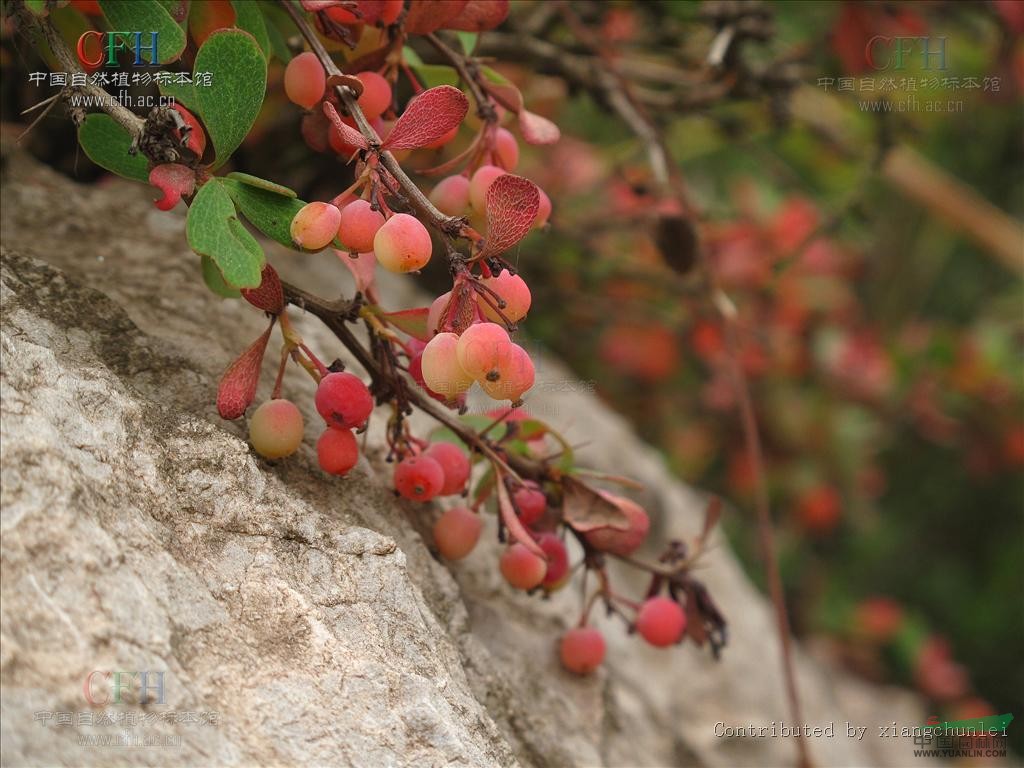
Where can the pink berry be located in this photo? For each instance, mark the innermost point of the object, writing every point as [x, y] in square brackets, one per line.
[343, 400]
[416, 371]
[531, 502]
[455, 464]
[558, 560]
[480, 348]
[521, 568]
[661, 621]
[418, 478]
[480, 183]
[440, 366]
[514, 292]
[457, 532]
[543, 211]
[315, 225]
[376, 96]
[506, 150]
[513, 376]
[305, 80]
[582, 650]
[437, 308]
[402, 244]
[451, 195]
[359, 224]
[337, 451]
[621, 542]
[275, 429]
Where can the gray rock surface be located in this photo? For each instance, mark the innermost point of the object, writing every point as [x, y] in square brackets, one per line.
[303, 615]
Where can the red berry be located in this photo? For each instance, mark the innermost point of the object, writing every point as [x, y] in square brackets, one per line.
[506, 150]
[521, 568]
[451, 195]
[315, 225]
[457, 532]
[512, 377]
[514, 292]
[359, 224]
[455, 464]
[402, 244]
[543, 210]
[558, 560]
[582, 650]
[530, 501]
[820, 509]
[419, 478]
[440, 367]
[305, 80]
[343, 400]
[376, 96]
[617, 541]
[275, 429]
[661, 621]
[480, 183]
[337, 451]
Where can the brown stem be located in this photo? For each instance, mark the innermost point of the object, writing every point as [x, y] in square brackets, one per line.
[470, 75]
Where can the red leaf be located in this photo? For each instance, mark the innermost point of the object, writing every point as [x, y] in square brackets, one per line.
[425, 16]
[512, 521]
[412, 321]
[364, 271]
[585, 509]
[537, 129]
[479, 15]
[174, 180]
[237, 387]
[269, 296]
[512, 205]
[505, 94]
[428, 117]
[348, 134]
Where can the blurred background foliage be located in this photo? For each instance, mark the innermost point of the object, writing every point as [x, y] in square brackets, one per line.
[882, 326]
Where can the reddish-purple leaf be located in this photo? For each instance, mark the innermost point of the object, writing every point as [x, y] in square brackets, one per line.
[511, 519]
[174, 180]
[585, 509]
[412, 321]
[349, 135]
[512, 205]
[269, 296]
[425, 16]
[237, 387]
[364, 271]
[537, 129]
[505, 94]
[479, 15]
[428, 117]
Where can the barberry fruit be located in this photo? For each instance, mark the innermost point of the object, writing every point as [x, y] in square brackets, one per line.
[621, 542]
[275, 429]
[543, 209]
[337, 451]
[558, 560]
[402, 244]
[480, 347]
[480, 183]
[343, 400]
[376, 96]
[359, 225]
[513, 376]
[661, 621]
[451, 195]
[530, 501]
[440, 366]
[514, 292]
[506, 150]
[521, 568]
[315, 225]
[582, 650]
[455, 464]
[418, 478]
[457, 532]
[305, 80]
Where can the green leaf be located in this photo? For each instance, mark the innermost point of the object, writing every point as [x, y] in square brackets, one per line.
[230, 104]
[468, 40]
[279, 28]
[434, 75]
[183, 93]
[107, 144]
[214, 230]
[411, 57]
[38, 7]
[147, 16]
[249, 16]
[271, 213]
[494, 76]
[256, 181]
[215, 280]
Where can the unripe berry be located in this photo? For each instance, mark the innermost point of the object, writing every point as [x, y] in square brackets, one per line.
[402, 244]
[480, 183]
[455, 464]
[440, 366]
[513, 376]
[305, 80]
[543, 210]
[343, 400]
[457, 532]
[621, 542]
[514, 292]
[337, 451]
[275, 429]
[582, 650]
[418, 478]
[359, 224]
[376, 96]
[451, 195]
[506, 149]
[661, 621]
[521, 568]
[558, 560]
[530, 501]
[315, 226]
[480, 348]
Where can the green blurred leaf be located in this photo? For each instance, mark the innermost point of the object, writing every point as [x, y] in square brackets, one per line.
[147, 16]
[214, 230]
[468, 41]
[271, 213]
[434, 75]
[107, 144]
[249, 16]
